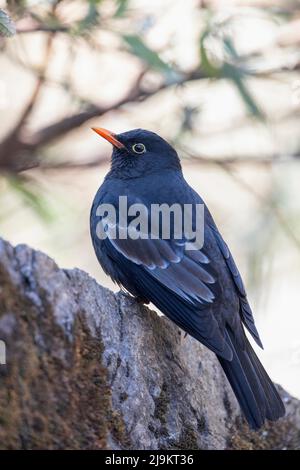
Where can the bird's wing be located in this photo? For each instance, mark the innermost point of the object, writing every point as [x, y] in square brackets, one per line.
[245, 309]
[186, 273]
[179, 281]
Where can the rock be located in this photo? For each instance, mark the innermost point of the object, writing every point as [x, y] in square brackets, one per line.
[90, 369]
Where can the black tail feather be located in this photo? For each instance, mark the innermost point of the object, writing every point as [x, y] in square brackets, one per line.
[253, 388]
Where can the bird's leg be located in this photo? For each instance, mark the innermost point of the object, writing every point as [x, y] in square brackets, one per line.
[126, 294]
[138, 299]
[141, 300]
[183, 335]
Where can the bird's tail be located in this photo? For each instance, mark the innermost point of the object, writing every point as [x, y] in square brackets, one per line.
[253, 388]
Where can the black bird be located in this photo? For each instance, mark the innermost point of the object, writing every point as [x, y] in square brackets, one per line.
[200, 290]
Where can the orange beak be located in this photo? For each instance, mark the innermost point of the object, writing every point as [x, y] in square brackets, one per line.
[110, 136]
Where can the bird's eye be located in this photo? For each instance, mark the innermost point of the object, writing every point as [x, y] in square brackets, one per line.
[139, 148]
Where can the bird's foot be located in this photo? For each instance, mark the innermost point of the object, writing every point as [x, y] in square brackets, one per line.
[183, 336]
[141, 300]
[138, 299]
[126, 294]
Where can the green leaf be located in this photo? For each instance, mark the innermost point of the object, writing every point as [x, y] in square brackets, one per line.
[7, 27]
[31, 195]
[236, 76]
[122, 6]
[150, 57]
[90, 20]
[229, 47]
[231, 72]
[206, 65]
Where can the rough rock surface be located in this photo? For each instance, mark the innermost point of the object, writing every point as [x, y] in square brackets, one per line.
[86, 368]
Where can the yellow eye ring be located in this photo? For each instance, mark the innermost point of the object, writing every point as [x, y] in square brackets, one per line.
[139, 148]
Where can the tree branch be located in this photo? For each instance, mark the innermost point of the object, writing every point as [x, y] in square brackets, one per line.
[49, 133]
[12, 144]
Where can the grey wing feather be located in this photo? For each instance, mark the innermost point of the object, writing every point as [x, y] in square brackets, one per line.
[245, 309]
[171, 265]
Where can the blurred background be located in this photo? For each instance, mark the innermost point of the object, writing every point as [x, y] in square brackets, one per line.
[219, 79]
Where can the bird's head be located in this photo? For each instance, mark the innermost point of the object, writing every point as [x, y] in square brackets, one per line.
[139, 152]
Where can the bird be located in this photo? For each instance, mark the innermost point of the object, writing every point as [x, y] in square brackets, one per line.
[199, 289]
